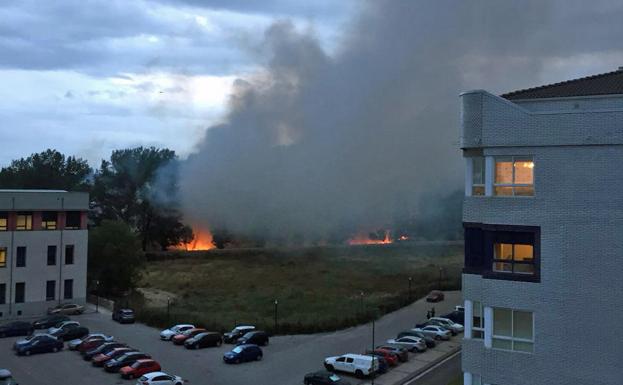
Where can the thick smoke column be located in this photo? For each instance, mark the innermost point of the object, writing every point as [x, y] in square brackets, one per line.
[318, 145]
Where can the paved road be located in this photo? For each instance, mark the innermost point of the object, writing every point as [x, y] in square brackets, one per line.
[286, 359]
[442, 374]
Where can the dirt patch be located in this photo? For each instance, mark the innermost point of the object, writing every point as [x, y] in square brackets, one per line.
[156, 297]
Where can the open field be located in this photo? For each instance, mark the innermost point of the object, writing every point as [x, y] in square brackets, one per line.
[317, 289]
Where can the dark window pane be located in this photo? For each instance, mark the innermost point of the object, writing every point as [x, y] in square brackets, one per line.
[69, 254]
[2, 293]
[51, 255]
[72, 220]
[69, 289]
[523, 268]
[20, 292]
[20, 260]
[48, 220]
[503, 267]
[50, 290]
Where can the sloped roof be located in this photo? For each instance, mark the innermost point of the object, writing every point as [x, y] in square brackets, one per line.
[609, 83]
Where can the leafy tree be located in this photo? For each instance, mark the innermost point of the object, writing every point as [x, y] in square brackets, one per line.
[115, 257]
[139, 186]
[47, 170]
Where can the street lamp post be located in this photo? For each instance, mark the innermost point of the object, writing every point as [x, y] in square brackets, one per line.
[276, 307]
[440, 273]
[410, 280]
[97, 296]
[362, 309]
[168, 310]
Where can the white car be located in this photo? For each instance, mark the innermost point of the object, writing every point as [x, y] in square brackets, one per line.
[358, 364]
[436, 332]
[409, 342]
[167, 334]
[159, 378]
[458, 328]
[63, 325]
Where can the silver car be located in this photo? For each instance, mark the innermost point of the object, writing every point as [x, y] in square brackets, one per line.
[448, 323]
[436, 332]
[414, 344]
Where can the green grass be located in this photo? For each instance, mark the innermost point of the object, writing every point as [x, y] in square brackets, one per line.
[318, 288]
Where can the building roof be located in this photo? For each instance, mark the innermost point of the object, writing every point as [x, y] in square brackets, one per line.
[610, 83]
[31, 191]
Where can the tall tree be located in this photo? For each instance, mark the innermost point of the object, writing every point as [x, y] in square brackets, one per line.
[139, 186]
[49, 169]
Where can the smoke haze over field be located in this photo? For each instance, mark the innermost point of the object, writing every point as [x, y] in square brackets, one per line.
[318, 144]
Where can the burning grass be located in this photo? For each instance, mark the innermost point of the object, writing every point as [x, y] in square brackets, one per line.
[318, 289]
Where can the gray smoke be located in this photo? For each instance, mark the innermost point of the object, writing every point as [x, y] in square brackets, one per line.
[318, 144]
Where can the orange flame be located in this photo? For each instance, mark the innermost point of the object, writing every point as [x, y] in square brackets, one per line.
[403, 238]
[202, 241]
[366, 240]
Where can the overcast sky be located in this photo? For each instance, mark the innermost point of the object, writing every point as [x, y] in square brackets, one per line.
[89, 77]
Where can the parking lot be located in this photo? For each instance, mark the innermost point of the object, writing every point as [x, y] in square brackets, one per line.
[286, 358]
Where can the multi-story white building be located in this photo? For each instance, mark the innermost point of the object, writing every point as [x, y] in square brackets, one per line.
[543, 218]
[43, 250]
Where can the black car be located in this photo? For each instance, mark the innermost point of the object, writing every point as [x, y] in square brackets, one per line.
[41, 343]
[255, 337]
[127, 359]
[430, 342]
[70, 333]
[237, 332]
[123, 316]
[49, 321]
[16, 328]
[204, 340]
[456, 316]
[324, 378]
[102, 349]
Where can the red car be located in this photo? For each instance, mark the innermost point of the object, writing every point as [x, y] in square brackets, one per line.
[90, 344]
[139, 368]
[391, 358]
[179, 339]
[101, 359]
[435, 296]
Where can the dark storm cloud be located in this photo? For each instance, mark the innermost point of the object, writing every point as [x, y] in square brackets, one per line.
[318, 144]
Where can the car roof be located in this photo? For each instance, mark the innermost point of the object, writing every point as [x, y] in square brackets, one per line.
[145, 360]
[155, 374]
[245, 327]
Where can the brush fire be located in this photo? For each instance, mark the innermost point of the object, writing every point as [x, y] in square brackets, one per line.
[202, 241]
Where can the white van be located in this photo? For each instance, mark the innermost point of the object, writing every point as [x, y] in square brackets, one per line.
[358, 364]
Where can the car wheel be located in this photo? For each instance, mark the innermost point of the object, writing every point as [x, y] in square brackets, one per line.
[266, 343]
[219, 343]
[2, 335]
[329, 367]
[237, 360]
[358, 373]
[196, 346]
[27, 352]
[259, 357]
[54, 349]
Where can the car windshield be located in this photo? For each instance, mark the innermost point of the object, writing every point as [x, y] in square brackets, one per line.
[127, 312]
[237, 349]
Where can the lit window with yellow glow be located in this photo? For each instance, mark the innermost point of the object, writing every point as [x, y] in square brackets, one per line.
[514, 176]
[2, 256]
[24, 221]
[48, 220]
[513, 258]
[4, 221]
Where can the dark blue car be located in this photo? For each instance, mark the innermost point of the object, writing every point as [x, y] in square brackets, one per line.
[243, 353]
[40, 343]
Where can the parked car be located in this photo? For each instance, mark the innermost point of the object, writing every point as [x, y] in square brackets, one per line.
[67, 309]
[323, 377]
[430, 342]
[139, 368]
[40, 343]
[102, 359]
[237, 332]
[391, 358]
[456, 327]
[129, 358]
[399, 351]
[435, 296]
[414, 344]
[460, 308]
[180, 338]
[64, 325]
[167, 334]
[159, 378]
[123, 316]
[255, 337]
[102, 349]
[6, 378]
[243, 353]
[442, 325]
[16, 328]
[358, 364]
[456, 316]
[434, 331]
[88, 342]
[70, 333]
[204, 340]
[49, 321]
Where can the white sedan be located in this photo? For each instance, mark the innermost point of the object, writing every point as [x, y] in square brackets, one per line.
[458, 328]
[159, 378]
[409, 342]
[167, 334]
[436, 332]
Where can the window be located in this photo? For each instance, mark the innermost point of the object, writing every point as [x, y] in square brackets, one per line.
[20, 292]
[69, 289]
[4, 221]
[478, 321]
[2, 256]
[51, 255]
[50, 290]
[2, 293]
[69, 254]
[48, 220]
[72, 220]
[514, 176]
[20, 260]
[513, 258]
[513, 330]
[478, 176]
[24, 221]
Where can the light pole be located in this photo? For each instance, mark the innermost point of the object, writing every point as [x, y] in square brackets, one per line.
[97, 296]
[361, 297]
[440, 273]
[276, 306]
[410, 280]
[168, 310]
